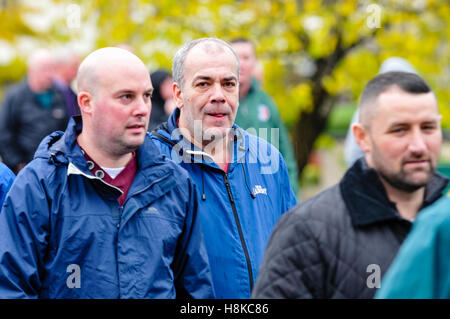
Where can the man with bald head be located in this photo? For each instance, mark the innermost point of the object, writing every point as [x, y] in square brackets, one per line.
[340, 243]
[99, 213]
[31, 110]
[243, 180]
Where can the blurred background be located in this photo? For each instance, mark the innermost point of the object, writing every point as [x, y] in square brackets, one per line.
[315, 56]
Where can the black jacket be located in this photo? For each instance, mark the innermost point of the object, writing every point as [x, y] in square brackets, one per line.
[158, 114]
[24, 123]
[338, 244]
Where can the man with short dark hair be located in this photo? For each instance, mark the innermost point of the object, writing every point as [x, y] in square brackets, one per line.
[99, 212]
[242, 180]
[340, 243]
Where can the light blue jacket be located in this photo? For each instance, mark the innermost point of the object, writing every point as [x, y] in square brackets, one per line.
[237, 209]
[63, 233]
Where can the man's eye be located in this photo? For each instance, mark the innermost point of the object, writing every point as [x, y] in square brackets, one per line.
[398, 130]
[147, 95]
[230, 84]
[126, 97]
[428, 127]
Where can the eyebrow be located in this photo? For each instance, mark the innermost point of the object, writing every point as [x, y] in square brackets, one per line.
[205, 77]
[128, 91]
[427, 121]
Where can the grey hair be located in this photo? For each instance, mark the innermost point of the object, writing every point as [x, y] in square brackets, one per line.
[180, 57]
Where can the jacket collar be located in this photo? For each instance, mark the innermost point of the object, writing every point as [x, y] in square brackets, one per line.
[62, 148]
[193, 154]
[366, 199]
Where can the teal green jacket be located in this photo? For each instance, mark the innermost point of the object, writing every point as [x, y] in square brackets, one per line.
[421, 269]
[257, 113]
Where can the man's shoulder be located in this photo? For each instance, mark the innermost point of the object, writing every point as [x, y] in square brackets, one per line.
[17, 90]
[257, 142]
[326, 208]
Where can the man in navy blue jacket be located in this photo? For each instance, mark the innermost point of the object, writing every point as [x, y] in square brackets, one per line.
[99, 213]
[243, 181]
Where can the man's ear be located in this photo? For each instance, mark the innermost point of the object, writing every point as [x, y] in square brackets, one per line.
[85, 102]
[177, 95]
[362, 138]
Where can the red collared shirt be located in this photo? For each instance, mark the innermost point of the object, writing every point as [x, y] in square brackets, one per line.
[122, 181]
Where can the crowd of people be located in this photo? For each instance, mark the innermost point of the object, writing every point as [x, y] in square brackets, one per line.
[157, 185]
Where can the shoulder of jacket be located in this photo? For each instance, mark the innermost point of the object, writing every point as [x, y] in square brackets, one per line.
[326, 208]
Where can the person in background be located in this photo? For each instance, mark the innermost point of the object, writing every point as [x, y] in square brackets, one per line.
[242, 179]
[6, 180]
[340, 243]
[99, 212]
[31, 110]
[66, 67]
[162, 101]
[352, 152]
[421, 269]
[258, 111]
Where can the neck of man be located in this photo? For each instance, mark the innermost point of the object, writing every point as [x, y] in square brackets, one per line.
[408, 203]
[216, 148]
[101, 157]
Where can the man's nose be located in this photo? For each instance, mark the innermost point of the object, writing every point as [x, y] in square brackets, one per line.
[143, 107]
[417, 143]
[217, 94]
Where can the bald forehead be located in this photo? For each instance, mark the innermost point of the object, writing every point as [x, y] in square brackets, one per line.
[102, 62]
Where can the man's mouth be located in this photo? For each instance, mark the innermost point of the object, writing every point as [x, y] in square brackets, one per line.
[217, 115]
[138, 126]
[416, 163]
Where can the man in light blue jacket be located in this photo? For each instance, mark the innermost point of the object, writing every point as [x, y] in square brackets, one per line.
[99, 213]
[242, 179]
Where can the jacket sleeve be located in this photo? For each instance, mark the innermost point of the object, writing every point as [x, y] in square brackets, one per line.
[23, 236]
[192, 271]
[10, 153]
[421, 268]
[292, 266]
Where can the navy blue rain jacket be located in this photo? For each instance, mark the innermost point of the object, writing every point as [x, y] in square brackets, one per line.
[64, 235]
[238, 209]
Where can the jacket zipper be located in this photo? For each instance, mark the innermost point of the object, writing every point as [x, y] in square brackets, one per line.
[241, 234]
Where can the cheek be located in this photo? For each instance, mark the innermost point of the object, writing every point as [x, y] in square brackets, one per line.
[434, 145]
[392, 149]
